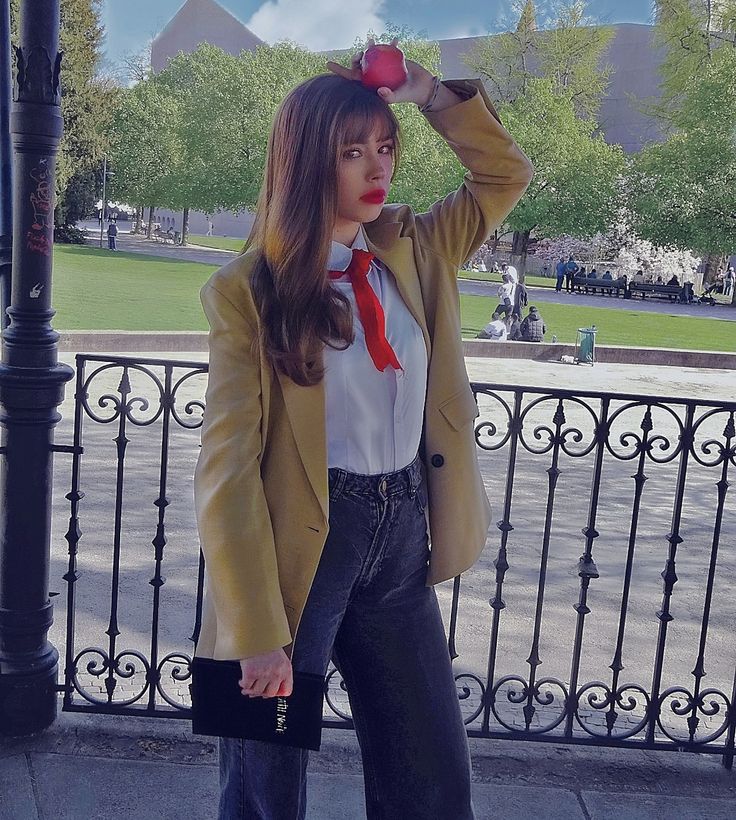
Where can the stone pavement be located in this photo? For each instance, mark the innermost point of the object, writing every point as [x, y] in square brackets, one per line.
[99, 768]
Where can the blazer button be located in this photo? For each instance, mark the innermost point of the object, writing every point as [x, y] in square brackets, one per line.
[437, 460]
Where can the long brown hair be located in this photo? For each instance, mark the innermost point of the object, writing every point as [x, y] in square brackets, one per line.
[295, 215]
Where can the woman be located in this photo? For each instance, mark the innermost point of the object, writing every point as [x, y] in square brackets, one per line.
[338, 437]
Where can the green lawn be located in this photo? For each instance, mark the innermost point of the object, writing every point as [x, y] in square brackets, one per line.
[535, 281]
[111, 290]
[222, 242]
[616, 326]
[105, 290]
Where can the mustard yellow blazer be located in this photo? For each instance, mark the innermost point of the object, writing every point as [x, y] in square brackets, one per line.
[260, 484]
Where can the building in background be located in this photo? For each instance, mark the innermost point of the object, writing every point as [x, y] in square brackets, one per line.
[632, 54]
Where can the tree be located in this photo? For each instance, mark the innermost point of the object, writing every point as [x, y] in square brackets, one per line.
[145, 151]
[682, 190]
[534, 71]
[507, 61]
[690, 32]
[226, 105]
[575, 185]
[571, 54]
[567, 48]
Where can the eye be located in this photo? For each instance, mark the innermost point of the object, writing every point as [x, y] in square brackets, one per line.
[389, 148]
[351, 153]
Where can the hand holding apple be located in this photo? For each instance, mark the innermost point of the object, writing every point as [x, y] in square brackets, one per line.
[383, 65]
[417, 84]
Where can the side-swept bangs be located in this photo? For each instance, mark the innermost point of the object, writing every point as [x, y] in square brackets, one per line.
[361, 116]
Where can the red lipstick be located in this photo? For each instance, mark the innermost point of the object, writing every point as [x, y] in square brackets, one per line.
[376, 196]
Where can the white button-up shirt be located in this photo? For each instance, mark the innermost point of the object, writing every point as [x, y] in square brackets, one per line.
[373, 418]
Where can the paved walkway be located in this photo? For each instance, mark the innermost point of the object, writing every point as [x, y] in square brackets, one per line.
[648, 305]
[135, 243]
[101, 768]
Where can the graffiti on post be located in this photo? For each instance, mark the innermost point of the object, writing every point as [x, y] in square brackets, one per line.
[37, 239]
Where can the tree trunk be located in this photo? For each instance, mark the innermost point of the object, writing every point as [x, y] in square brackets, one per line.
[519, 245]
[494, 242]
[713, 261]
[150, 221]
[185, 227]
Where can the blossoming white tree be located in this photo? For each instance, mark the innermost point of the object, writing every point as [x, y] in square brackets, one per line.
[625, 251]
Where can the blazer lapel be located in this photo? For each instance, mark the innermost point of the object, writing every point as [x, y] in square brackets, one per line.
[305, 407]
[397, 253]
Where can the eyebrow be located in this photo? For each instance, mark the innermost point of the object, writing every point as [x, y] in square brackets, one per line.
[387, 138]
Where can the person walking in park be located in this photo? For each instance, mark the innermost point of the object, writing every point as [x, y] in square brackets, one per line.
[533, 327]
[571, 268]
[112, 232]
[560, 273]
[506, 294]
[519, 295]
[335, 450]
[728, 281]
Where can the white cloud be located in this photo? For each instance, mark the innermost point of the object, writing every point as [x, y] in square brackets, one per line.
[320, 25]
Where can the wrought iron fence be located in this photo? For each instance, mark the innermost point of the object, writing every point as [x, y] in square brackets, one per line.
[595, 494]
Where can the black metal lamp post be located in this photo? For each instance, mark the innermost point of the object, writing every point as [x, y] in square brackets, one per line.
[6, 219]
[31, 385]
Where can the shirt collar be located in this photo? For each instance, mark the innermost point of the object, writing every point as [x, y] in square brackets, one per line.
[340, 255]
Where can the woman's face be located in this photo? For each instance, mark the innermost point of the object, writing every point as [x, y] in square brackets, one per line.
[364, 176]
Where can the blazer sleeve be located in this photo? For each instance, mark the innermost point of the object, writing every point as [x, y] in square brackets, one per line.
[498, 173]
[234, 523]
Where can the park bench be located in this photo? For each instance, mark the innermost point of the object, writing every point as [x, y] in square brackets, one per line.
[169, 236]
[609, 286]
[672, 292]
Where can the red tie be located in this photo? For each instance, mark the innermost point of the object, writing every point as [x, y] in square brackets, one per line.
[369, 310]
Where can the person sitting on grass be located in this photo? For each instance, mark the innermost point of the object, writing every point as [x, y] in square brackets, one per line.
[513, 327]
[533, 327]
[495, 330]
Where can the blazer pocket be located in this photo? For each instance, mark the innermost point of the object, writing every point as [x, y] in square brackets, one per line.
[460, 409]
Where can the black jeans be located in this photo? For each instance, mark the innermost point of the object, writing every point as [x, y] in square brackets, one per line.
[369, 609]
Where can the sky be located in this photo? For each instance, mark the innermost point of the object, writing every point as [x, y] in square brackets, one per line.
[332, 24]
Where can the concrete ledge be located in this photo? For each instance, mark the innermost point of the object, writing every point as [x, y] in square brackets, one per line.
[183, 341]
[610, 354]
[132, 341]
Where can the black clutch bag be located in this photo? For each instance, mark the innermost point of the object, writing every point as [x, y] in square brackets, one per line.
[219, 708]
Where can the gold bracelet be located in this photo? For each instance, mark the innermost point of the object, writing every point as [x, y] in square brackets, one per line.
[428, 105]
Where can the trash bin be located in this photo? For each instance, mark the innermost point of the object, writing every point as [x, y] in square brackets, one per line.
[585, 345]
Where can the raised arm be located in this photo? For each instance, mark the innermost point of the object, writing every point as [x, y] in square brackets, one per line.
[498, 173]
[232, 515]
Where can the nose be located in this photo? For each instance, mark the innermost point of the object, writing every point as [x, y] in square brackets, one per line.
[376, 169]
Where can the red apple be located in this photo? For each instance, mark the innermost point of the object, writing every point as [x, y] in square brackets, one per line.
[383, 65]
